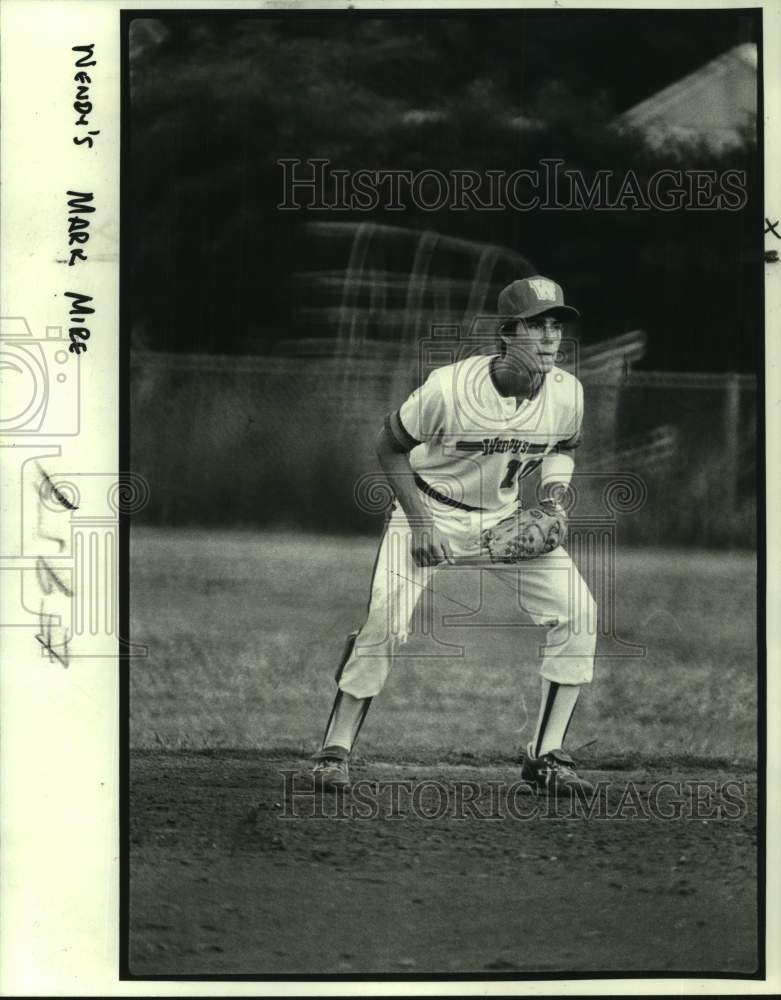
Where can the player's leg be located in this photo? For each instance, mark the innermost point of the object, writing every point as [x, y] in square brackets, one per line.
[554, 593]
[557, 706]
[341, 731]
[397, 583]
[348, 712]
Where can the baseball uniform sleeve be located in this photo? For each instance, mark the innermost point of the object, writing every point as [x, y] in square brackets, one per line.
[420, 417]
[573, 440]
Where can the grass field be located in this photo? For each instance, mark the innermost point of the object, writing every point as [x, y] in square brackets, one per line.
[244, 631]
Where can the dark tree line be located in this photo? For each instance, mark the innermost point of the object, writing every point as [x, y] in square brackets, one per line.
[216, 101]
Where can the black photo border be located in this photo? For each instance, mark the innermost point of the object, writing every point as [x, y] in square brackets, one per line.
[755, 219]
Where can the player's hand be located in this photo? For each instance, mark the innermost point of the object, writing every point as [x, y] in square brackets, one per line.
[552, 505]
[429, 546]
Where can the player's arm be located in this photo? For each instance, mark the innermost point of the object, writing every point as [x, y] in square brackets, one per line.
[556, 472]
[393, 454]
[559, 464]
[393, 445]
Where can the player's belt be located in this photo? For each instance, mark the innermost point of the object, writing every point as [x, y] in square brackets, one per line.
[430, 491]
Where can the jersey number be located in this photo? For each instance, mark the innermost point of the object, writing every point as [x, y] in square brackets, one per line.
[512, 469]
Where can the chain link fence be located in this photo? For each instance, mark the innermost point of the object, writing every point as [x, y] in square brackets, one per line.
[262, 441]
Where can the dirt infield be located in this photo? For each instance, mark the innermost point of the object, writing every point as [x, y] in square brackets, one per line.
[233, 874]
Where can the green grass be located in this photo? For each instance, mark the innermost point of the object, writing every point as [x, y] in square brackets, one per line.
[244, 631]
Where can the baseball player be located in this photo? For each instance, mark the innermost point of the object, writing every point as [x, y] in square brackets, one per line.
[453, 454]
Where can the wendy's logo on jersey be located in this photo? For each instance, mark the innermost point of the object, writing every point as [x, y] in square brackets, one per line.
[501, 446]
[515, 446]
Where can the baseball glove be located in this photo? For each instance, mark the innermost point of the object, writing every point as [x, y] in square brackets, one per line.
[526, 534]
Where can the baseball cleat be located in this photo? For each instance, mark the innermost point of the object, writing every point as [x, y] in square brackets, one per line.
[331, 771]
[553, 773]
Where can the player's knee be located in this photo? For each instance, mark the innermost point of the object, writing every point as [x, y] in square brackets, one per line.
[575, 629]
[567, 670]
[578, 614]
[364, 687]
[364, 676]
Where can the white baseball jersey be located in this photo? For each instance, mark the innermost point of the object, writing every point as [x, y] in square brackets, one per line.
[470, 444]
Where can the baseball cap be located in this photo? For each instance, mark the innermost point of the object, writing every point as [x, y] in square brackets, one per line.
[534, 296]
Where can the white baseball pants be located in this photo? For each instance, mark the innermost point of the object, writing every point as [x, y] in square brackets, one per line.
[550, 591]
